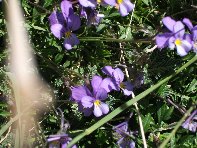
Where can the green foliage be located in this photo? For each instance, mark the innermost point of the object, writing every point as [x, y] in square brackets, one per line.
[164, 113]
[100, 46]
[148, 121]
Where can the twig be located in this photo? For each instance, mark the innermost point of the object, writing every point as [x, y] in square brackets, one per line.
[40, 7]
[194, 6]
[135, 104]
[151, 49]
[9, 129]
[133, 96]
[175, 105]
[140, 122]
[170, 126]
[187, 10]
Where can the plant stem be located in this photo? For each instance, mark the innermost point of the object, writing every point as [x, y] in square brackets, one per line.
[140, 123]
[176, 128]
[101, 39]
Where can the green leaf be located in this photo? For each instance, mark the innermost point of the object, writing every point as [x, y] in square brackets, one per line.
[128, 33]
[114, 14]
[192, 86]
[146, 2]
[147, 121]
[100, 27]
[5, 113]
[59, 57]
[164, 113]
[38, 28]
[47, 3]
[3, 105]
[66, 64]
[53, 119]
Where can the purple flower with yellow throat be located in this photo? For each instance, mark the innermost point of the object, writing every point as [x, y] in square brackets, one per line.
[124, 6]
[92, 3]
[193, 30]
[191, 122]
[63, 23]
[92, 101]
[92, 16]
[176, 38]
[59, 141]
[88, 3]
[117, 77]
[125, 135]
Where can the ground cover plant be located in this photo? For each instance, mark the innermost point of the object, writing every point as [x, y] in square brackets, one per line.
[113, 73]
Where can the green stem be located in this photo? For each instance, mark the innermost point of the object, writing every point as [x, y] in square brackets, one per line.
[101, 39]
[128, 104]
[176, 128]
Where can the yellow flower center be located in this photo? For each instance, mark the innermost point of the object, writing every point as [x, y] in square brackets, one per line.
[178, 42]
[99, 1]
[127, 139]
[55, 143]
[122, 85]
[68, 34]
[97, 102]
[119, 1]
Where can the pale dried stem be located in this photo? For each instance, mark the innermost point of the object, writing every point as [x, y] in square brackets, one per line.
[9, 129]
[133, 96]
[140, 122]
[122, 58]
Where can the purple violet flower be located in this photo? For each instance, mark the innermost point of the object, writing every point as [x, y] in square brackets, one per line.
[124, 133]
[56, 18]
[124, 6]
[191, 122]
[117, 78]
[92, 101]
[88, 3]
[193, 30]
[66, 8]
[62, 24]
[59, 141]
[175, 38]
[91, 15]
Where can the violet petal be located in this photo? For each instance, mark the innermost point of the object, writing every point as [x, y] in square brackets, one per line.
[88, 3]
[79, 92]
[73, 22]
[101, 94]
[109, 84]
[87, 101]
[108, 70]
[66, 8]
[183, 48]
[118, 75]
[97, 111]
[96, 81]
[104, 108]
[179, 29]
[169, 23]
[56, 18]
[71, 41]
[58, 30]
[188, 23]
[110, 2]
[162, 40]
